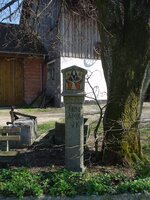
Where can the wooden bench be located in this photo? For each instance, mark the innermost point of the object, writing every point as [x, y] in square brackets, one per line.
[8, 134]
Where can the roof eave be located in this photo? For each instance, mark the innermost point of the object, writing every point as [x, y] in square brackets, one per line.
[23, 53]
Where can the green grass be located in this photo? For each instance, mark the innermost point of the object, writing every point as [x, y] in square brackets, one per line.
[43, 128]
[93, 126]
[145, 140]
[30, 110]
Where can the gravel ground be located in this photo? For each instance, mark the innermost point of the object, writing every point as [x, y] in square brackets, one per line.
[52, 114]
[43, 115]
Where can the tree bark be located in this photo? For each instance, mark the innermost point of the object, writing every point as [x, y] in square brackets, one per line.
[124, 32]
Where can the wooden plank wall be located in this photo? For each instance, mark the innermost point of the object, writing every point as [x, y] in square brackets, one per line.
[63, 32]
[11, 81]
[79, 35]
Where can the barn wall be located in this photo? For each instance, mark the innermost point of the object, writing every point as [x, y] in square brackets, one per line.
[33, 81]
[11, 81]
[65, 32]
[79, 36]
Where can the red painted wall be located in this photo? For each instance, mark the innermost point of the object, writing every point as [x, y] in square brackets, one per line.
[34, 78]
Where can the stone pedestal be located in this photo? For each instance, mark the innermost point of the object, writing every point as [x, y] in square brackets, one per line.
[74, 133]
[73, 92]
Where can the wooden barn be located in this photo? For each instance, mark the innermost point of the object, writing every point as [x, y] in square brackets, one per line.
[56, 36]
[70, 38]
[22, 66]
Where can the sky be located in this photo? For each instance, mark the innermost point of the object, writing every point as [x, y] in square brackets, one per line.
[14, 19]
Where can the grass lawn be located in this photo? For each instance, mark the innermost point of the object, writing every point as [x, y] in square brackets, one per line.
[145, 139]
[43, 128]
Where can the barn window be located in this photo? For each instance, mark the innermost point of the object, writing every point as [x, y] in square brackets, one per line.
[51, 70]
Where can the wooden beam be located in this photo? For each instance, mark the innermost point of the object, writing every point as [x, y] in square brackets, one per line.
[22, 114]
[8, 153]
[10, 130]
[10, 138]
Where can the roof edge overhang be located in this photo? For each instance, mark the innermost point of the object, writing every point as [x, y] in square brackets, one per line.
[23, 53]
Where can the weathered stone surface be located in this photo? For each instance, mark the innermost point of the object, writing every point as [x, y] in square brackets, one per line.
[74, 139]
[28, 131]
[59, 132]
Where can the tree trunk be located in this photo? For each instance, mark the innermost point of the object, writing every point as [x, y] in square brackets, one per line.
[121, 142]
[124, 35]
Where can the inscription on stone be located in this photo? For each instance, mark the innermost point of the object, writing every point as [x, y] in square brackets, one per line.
[73, 114]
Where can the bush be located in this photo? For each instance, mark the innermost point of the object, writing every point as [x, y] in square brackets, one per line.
[61, 184]
[135, 186]
[103, 183]
[21, 182]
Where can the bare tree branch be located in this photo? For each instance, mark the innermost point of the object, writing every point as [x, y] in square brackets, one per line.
[12, 13]
[8, 5]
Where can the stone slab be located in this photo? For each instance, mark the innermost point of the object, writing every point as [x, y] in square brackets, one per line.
[28, 131]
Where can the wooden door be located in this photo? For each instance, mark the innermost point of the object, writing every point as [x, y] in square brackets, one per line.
[11, 81]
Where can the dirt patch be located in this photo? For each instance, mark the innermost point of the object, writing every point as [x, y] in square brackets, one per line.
[43, 156]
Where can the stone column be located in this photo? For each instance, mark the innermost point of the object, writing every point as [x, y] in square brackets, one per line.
[73, 92]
